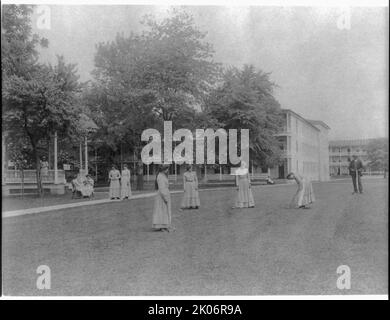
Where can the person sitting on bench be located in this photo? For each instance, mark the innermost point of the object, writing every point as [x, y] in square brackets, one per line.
[270, 181]
[82, 186]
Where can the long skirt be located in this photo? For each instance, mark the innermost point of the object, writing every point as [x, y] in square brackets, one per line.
[115, 189]
[244, 196]
[125, 188]
[86, 190]
[45, 173]
[191, 196]
[304, 195]
[161, 212]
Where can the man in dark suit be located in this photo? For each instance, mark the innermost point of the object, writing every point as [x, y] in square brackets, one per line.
[355, 170]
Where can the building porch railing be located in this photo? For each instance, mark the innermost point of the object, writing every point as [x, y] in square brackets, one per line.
[29, 176]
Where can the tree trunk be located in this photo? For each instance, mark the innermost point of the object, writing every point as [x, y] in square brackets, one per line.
[140, 172]
[34, 144]
[38, 174]
[140, 179]
[22, 172]
[38, 167]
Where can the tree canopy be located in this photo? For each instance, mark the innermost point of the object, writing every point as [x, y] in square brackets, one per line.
[378, 154]
[38, 99]
[244, 100]
[168, 72]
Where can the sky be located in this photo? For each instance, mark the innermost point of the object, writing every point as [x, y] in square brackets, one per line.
[329, 64]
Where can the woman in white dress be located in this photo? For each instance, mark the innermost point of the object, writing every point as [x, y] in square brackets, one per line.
[83, 185]
[115, 188]
[125, 183]
[89, 186]
[191, 194]
[78, 185]
[44, 168]
[243, 182]
[162, 203]
[304, 195]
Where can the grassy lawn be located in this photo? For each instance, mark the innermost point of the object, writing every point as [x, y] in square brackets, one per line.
[33, 201]
[110, 249]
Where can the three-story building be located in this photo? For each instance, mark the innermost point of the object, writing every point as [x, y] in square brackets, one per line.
[305, 147]
[341, 152]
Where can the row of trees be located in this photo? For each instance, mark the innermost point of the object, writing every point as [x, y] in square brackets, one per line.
[167, 72]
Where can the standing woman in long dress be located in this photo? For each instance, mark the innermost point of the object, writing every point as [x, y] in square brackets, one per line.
[162, 202]
[115, 188]
[125, 183]
[243, 183]
[191, 194]
[304, 195]
[44, 168]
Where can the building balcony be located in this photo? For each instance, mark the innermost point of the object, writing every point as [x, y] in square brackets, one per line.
[283, 134]
[346, 153]
[339, 164]
[285, 131]
[286, 154]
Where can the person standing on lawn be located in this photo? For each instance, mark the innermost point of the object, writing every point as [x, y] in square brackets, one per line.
[356, 171]
[304, 195]
[162, 203]
[243, 183]
[44, 165]
[125, 183]
[115, 188]
[191, 194]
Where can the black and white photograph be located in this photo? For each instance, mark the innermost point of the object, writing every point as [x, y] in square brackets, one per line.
[195, 149]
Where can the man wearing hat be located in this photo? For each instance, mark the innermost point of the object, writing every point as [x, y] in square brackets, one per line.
[355, 170]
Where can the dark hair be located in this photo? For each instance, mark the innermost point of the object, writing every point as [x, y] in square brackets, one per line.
[290, 175]
[189, 166]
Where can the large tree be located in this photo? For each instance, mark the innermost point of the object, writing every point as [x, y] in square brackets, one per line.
[164, 73]
[244, 100]
[38, 99]
[378, 154]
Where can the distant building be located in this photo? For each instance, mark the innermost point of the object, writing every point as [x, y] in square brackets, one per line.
[305, 147]
[341, 152]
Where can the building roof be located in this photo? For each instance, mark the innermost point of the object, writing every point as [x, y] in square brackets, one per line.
[321, 123]
[300, 117]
